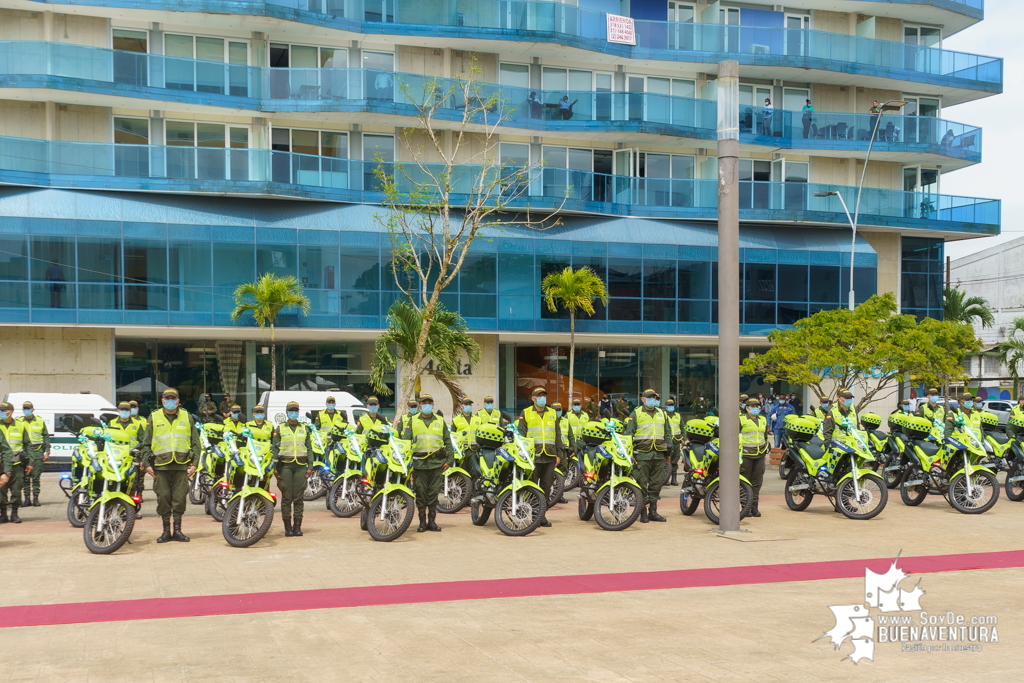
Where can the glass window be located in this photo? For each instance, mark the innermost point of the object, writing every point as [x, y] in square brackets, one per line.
[53, 259]
[624, 309]
[53, 294]
[760, 282]
[792, 283]
[694, 280]
[377, 149]
[14, 258]
[178, 46]
[14, 295]
[190, 263]
[825, 284]
[360, 269]
[131, 131]
[515, 274]
[318, 267]
[479, 275]
[759, 314]
[306, 142]
[514, 75]
[145, 261]
[478, 306]
[360, 303]
[190, 299]
[624, 276]
[790, 313]
[660, 310]
[278, 259]
[659, 279]
[235, 264]
[145, 298]
[694, 311]
[99, 260]
[99, 297]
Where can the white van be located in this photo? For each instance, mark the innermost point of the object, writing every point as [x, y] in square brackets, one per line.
[310, 402]
[52, 408]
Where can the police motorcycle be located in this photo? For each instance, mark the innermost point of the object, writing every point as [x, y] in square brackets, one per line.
[211, 462]
[893, 455]
[784, 462]
[322, 474]
[458, 484]
[998, 445]
[112, 510]
[348, 490]
[700, 471]
[1015, 462]
[608, 492]
[250, 509]
[840, 470]
[77, 484]
[389, 501]
[231, 447]
[502, 467]
[950, 467]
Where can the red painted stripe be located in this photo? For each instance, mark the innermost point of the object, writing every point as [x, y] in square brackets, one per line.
[402, 594]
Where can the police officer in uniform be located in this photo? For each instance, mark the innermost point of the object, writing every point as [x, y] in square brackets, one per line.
[37, 450]
[540, 424]
[1018, 412]
[754, 448]
[675, 421]
[432, 454]
[170, 453]
[14, 463]
[622, 409]
[128, 430]
[133, 409]
[971, 416]
[652, 449]
[368, 421]
[932, 409]
[406, 420]
[743, 404]
[700, 407]
[465, 424]
[207, 405]
[489, 414]
[291, 445]
[330, 417]
[235, 421]
[566, 440]
[226, 406]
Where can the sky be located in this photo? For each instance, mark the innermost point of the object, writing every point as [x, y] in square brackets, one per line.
[998, 176]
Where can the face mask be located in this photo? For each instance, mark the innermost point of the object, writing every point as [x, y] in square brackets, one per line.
[488, 406]
[848, 402]
[293, 415]
[330, 406]
[426, 409]
[170, 403]
[135, 411]
[576, 409]
[824, 406]
[906, 407]
[968, 404]
[413, 411]
[236, 415]
[933, 399]
[650, 402]
[671, 409]
[558, 413]
[542, 401]
[467, 409]
[258, 417]
[373, 409]
[5, 415]
[755, 411]
[124, 414]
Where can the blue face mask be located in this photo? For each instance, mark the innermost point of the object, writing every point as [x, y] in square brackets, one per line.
[650, 402]
[258, 416]
[968, 404]
[906, 407]
[5, 415]
[577, 409]
[671, 409]
[236, 415]
[373, 409]
[330, 406]
[467, 409]
[293, 415]
[27, 412]
[848, 402]
[170, 403]
[413, 411]
[755, 411]
[135, 411]
[124, 414]
[488, 406]
[426, 409]
[542, 401]
[933, 399]
[558, 413]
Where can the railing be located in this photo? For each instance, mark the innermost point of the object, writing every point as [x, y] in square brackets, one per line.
[205, 169]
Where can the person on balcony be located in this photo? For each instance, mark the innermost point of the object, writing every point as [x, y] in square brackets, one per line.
[875, 112]
[536, 106]
[565, 107]
[766, 117]
[807, 119]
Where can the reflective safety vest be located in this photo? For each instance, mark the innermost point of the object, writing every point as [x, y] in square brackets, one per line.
[368, 421]
[932, 414]
[840, 419]
[15, 435]
[34, 429]
[465, 430]
[541, 428]
[819, 413]
[973, 420]
[406, 421]
[577, 420]
[140, 423]
[328, 420]
[752, 435]
[492, 416]
[650, 430]
[675, 421]
[261, 436]
[427, 438]
[293, 443]
[563, 428]
[125, 434]
[234, 426]
[1017, 412]
[171, 440]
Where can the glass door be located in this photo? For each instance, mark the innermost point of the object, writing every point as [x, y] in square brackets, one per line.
[918, 39]
[130, 50]
[624, 163]
[681, 25]
[796, 33]
[603, 96]
[204, 64]
[729, 17]
[378, 69]
[131, 153]
[919, 126]
[922, 188]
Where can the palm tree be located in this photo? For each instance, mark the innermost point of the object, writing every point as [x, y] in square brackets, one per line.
[958, 307]
[447, 341]
[575, 290]
[265, 299]
[1011, 351]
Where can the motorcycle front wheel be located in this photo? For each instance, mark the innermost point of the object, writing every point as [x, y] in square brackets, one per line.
[351, 504]
[118, 522]
[529, 511]
[617, 509]
[982, 495]
[479, 513]
[799, 499]
[688, 499]
[557, 487]
[892, 477]
[572, 475]
[585, 508]
[913, 494]
[256, 518]
[217, 503]
[1015, 489]
[395, 519]
[873, 497]
[316, 485]
[78, 509]
[783, 469]
[199, 488]
[459, 490]
[712, 504]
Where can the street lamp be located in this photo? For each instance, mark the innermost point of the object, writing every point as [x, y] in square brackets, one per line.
[853, 242]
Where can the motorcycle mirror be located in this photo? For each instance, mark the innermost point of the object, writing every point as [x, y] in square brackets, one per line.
[505, 416]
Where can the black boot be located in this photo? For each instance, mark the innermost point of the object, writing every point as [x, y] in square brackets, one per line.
[178, 536]
[643, 515]
[297, 529]
[653, 514]
[27, 499]
[431, 523]
[287, 526]
[423, 522]
[754, 512]
[3, 514]
[562, 500]
[673, 482]
[15, 519]
[166, 535]
[544, 521]
[35, 500]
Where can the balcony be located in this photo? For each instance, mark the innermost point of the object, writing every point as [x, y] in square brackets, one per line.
[76, 68]
[439, 22]
[259, 172]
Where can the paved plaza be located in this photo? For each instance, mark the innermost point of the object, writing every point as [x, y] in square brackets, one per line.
[565, 625]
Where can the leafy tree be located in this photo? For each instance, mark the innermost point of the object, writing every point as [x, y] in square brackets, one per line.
[447, 341]
[960, 308]
[869, 350]
[265, 299]
[1011, 351]
[575, 291]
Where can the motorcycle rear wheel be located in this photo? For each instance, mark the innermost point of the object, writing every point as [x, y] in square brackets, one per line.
[914, 495]
[118, 522]
[623, 512]
[257, 516]
[798, 500]
[217, 503]
[572, 475]
[712, 504]
[460, 490]
[78, 509]
[316, 485]
[688, 500]
[874, 496]
[892, 478]
[479, 513]
[397, 516]
[783, 469]
[557, 488]
[351, 504]
[198, 492]
[362, 519]
[530, 509]
[585, 508]
[1015, 489]
[983, 500]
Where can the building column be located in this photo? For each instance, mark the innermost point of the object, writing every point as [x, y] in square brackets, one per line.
[888, 246]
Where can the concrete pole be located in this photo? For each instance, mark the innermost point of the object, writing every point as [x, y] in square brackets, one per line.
[729, 294]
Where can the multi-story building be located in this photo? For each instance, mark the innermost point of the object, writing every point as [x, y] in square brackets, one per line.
[155, 155]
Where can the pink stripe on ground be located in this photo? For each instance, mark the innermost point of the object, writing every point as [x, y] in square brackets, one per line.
[410, 593]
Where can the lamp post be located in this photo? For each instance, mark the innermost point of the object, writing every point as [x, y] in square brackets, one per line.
[853, 225]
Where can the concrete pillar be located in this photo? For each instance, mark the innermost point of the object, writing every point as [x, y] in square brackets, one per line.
[889, 247]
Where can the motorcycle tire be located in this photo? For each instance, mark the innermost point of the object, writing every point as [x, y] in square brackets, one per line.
[397, 516]
[798, 500]
[913, 496]
[362, 519]
[1015, 489]
[860, 509]
[585, 508]
[199, 492]
[712, 506]
[351, 504]
[118, 522]
[316, 486]
[962, 503]
[572, 475]
[629, 501]
[257, 517]
[783, 470]
[460, 490]
[479, 513]
[557, 488]
[528, 499]
[892, 478]
[78, 509]
[217, 503]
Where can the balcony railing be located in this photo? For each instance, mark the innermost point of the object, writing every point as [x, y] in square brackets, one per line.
[258, 171]
[265, 89]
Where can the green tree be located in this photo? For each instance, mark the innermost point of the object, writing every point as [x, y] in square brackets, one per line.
[959, 308]
[265, 299]
[1011, 351]
[869, 350]
[574, 291]
[447, 342]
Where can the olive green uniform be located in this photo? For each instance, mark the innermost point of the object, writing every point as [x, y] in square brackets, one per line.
[651, 451]
[545, 452]
[170, 470]
[700, 408]
[754, 448]
[13, 465]
[428, 463]
[292, 466]
[37, 442]
[675, 420]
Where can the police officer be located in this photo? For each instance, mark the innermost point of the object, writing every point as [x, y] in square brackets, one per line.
[566, 440]
[971, 416]
[330, 417]
[653, 446]
[14, 463]
[207, 405]
[37, 450]
[700, 407]
[489, 414]
[432, 454]
[822, 410]
[743, 404]
[932, 409]
[406, 420]
[675, 421]
[235, 421]
[226, 406]
[133, 409]
[369, 420]
[128, 430]
[842, 414]
[1016, 412]
[170, 448]
[577, 416]
[540, 424]
[754, 448]
[291, 446]
[622, 408]
[262, 431]
[465, 424]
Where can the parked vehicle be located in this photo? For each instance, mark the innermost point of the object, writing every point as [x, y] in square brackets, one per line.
[1001, 409]
[55, 411]
[276, 401]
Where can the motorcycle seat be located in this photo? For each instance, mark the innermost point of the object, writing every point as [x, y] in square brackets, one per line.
[879, 434]
[930, 448]
[999, 438]
[698, 449]
[489, 455]
[814, 450]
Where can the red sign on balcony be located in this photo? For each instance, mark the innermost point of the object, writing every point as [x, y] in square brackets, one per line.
[621, 29]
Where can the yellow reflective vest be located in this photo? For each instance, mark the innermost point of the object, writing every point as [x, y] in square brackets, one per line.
[465, 430]
[649, 433]
[541, 428]
[492, 416]
[15, 435]
[292, 444]
[172, 440]
[261, 436]
[427, 439]
[329, 420]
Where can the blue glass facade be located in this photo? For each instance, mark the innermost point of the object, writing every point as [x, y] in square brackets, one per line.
[922, 277]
